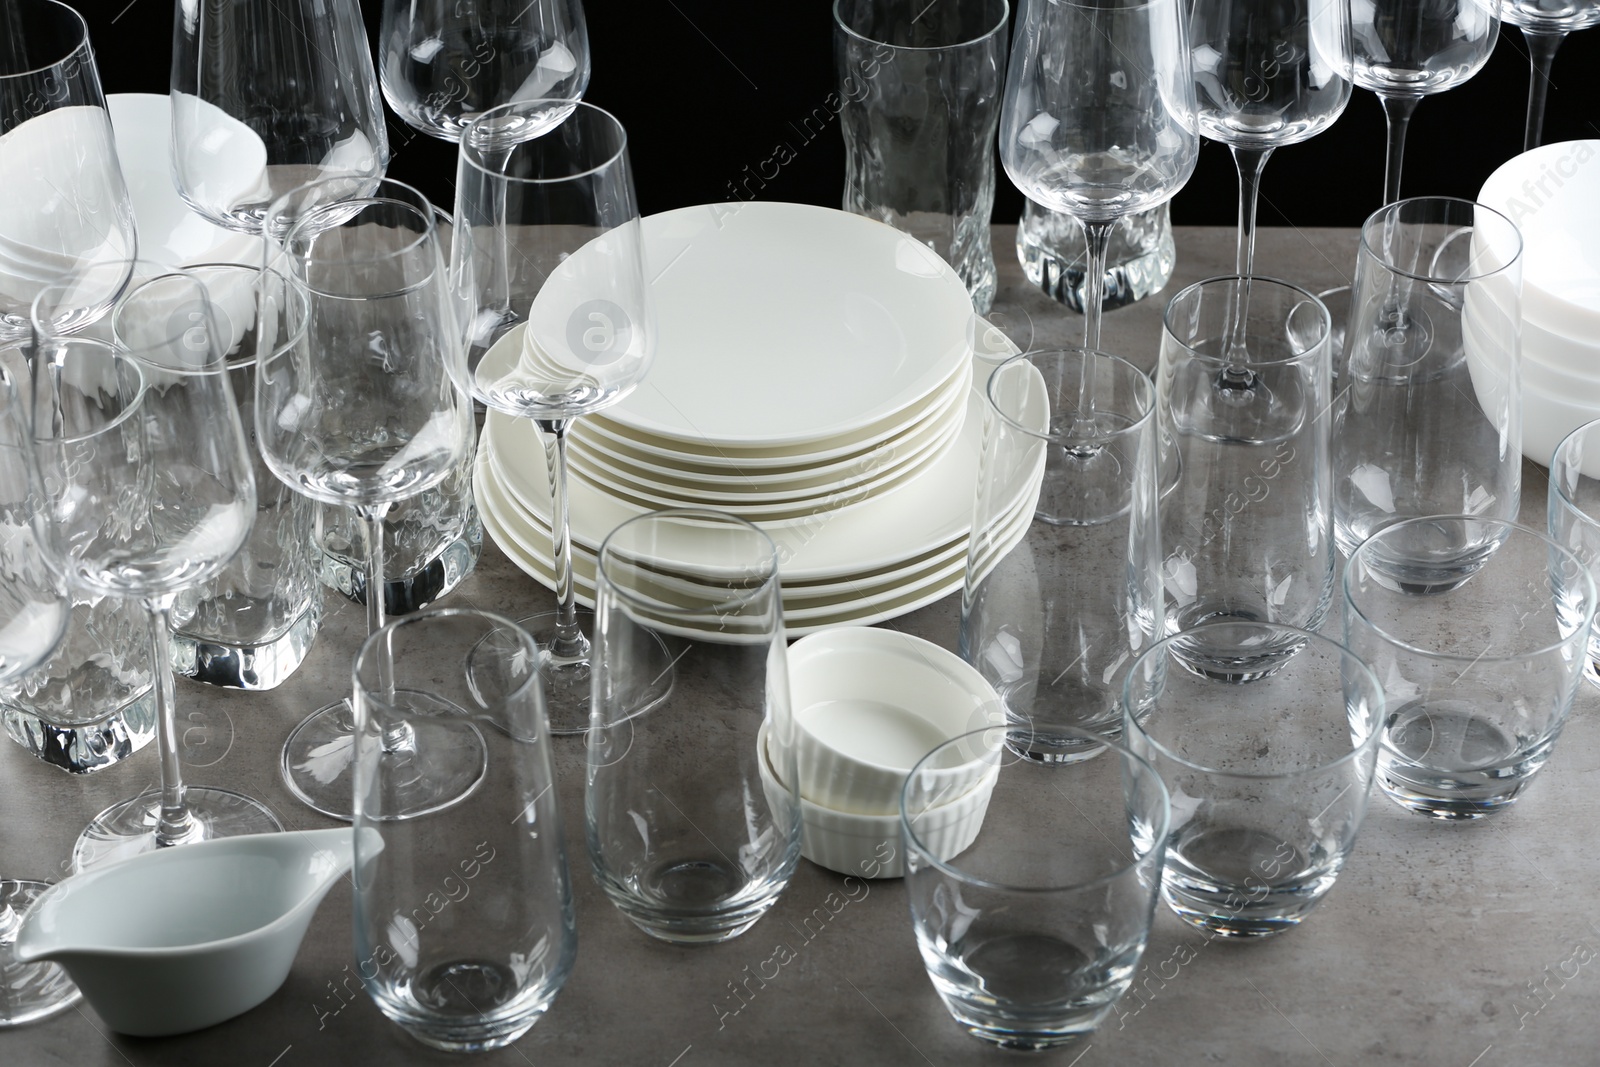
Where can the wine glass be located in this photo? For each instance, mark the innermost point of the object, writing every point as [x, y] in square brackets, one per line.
[1404, 50]
[34, 607]
[549, 237]
[1545, 24]
[65, 206]
[443, 63]
[1099, 117]
[359, 411]
[148, 475]
[268, 95]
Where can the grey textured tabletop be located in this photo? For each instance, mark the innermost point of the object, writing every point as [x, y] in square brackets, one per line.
[1456, 946]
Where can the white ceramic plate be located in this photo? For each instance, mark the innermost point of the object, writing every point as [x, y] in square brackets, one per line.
[786, 324]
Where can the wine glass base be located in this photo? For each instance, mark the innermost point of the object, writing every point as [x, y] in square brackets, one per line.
[129, 828]
[30, 991]
[320, 754]
[565, 680]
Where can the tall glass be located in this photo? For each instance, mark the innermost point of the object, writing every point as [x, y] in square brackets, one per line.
[1574, 510]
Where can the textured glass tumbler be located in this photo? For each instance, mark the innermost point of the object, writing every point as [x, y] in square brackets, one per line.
[1273, 776]
[1430, 421]
[689, 662]
[1247, 499]
[1033, 933]
[1139, 257]
[1479, 671]
[464, 928]
[1574, 511]
[918, 104]
[1054, 622]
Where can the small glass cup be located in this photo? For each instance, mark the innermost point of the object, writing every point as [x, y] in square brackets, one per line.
[463, 915]
[1574, 511]
[1139, 258]
[1033, 933]
[689, 662]
[1273, 777]
[1478, 670]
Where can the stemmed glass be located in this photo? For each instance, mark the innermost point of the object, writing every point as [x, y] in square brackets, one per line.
[1405, 50]
[549, 234]
[65, 205]
[1099, 117]
[1545, 24]
[148, 478]
[34, 607]
[268, 95]
[360, 411]
[443, 63]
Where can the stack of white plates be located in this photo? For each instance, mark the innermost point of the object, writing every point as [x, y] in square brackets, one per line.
[814, 374]
[1552, 195]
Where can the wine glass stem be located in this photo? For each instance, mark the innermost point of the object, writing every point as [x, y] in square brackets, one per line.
[1397, 114]
[568, 641]
[396, 736]
[1541, 54]
[1096, 239]
[1249, 162]
[176, 824]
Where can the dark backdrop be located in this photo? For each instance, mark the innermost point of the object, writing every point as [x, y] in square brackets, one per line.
[707, 88]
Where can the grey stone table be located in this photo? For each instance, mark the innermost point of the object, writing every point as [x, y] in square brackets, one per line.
[1465, 946]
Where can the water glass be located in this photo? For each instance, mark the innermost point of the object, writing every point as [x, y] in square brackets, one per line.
[689, 662]
[1033, 934]
[1270, 780]
[1478, 671]
[1574, 510]
[1431, 420]
[1053, 622]
[1139, 258]
[1246, 508]
[919, 102]
[464, 928]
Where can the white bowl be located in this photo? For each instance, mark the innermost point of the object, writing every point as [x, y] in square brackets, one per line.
[183, 938]
[870, 846]
[869, 703]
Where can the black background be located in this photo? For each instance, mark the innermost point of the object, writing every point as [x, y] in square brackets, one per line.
[707, 88]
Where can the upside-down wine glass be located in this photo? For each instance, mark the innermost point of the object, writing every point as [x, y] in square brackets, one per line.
[548, 230]
[34, 607]
[1099, 117]
[1545, 24]
[443, 63]
[360, 411]
[1266, 75]
[150, 485]
[1405, 50]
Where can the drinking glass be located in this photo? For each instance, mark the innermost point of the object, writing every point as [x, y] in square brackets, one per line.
[65, 207]
[1247, 490]
[1031, 935]
[360, 411]
[464, 929]
[148, 474]
[1099, 118]
[1574, 510]
[1545, 24]
[1274, 776]
[1053, 622]
[1431, 420]
[1267, 75]
[443, 63]
[919, 100]
[548, 237]
[1478, 674]
[1404, 50]
[268, 95]
[689, 665]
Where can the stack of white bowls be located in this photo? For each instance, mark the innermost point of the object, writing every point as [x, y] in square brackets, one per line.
[1552, 195]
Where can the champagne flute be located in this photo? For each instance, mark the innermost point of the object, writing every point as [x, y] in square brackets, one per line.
[1405, 50]
[148, 475]
[1099, 117]
[548, 231]
[443, 63]
[359, 411]
[1545, 24]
